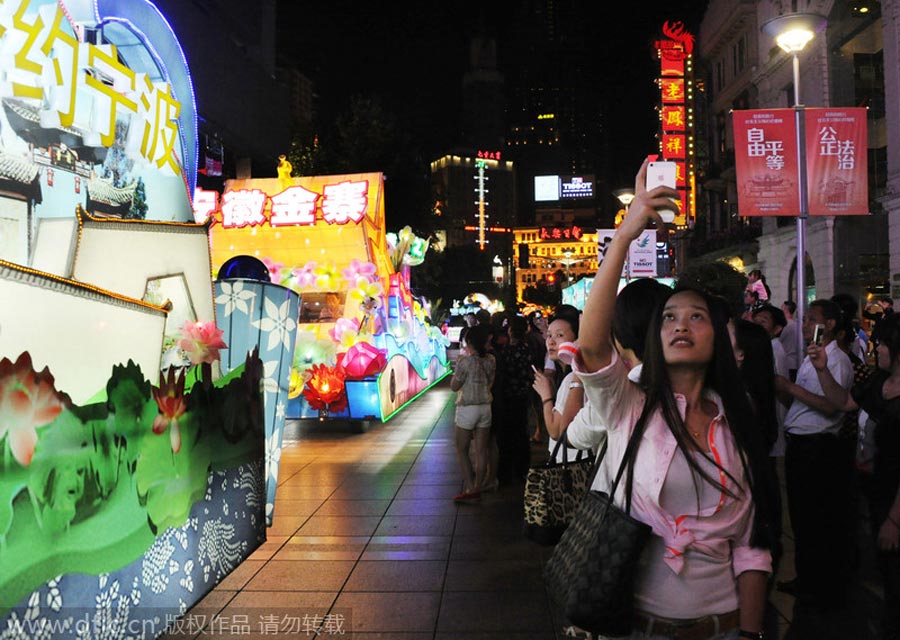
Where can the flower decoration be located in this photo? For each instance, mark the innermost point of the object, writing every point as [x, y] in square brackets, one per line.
[406, 248]
[277, 322]
[28, 400]
[363, 360]
[169, 396]
[415, 254]
[311, 350]
[298, 381]
[327, 277]
[325, 389]
[419, 312]
[201, 341]
[304, 277]
[275, 269]
[365, 290]
[358, 270]
[235, 297]
[347, 333]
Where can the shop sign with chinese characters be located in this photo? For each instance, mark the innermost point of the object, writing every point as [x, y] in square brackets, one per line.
[767, 162]
[338, 203]
[557, 234]
[90, 124]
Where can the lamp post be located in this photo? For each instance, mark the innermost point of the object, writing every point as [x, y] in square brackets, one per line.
[625, 196]
[792, 32]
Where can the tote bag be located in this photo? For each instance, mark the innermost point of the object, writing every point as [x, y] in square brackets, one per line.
[553, 491]
[591, 571]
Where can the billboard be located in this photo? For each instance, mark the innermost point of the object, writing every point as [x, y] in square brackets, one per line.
[768, 166]
[765, 154]
[555, 188]
[95, 116]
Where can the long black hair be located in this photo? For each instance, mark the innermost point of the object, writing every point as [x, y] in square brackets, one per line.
[722, 377]
[758, 375]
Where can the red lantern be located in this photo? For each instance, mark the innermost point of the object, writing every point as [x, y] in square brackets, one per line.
[363, 360]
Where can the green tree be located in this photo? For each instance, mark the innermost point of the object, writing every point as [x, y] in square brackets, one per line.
[365, 136]
[720, 279]
[138, 210]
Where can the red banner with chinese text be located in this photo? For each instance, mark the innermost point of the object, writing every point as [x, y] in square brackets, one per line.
[836, 161]
[765, 154]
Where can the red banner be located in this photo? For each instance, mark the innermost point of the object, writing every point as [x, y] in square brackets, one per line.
[836, 161]
[765, 154]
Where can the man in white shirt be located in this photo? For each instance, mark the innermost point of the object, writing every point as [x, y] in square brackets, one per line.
[818, 471]
[788, 338]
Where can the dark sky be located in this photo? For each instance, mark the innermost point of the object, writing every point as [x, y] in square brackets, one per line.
[414, 54]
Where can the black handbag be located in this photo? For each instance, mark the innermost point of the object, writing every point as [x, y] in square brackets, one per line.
[553, 491]
[591, 572]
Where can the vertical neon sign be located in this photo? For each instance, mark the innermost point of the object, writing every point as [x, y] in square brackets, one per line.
[676, 112]
[480, 165]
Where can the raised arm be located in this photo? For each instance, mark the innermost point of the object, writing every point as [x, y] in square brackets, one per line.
[596, 320]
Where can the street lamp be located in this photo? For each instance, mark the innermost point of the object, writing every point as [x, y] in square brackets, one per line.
[792, 32]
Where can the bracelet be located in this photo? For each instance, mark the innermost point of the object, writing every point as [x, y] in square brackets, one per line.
[756, 635]
[547, 400]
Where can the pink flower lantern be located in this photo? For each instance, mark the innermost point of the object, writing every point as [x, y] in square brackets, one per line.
[363, 360]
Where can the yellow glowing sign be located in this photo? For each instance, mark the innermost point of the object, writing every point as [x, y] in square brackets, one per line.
[83, 86]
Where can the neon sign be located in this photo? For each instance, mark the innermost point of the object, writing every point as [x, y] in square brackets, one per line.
[338, 203]
[488, 155]
[71, 84]
[676, 115]
[561, 233]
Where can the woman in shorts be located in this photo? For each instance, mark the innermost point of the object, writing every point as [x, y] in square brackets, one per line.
[472, 380]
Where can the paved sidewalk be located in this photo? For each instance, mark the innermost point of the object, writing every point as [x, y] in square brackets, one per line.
[368, 541]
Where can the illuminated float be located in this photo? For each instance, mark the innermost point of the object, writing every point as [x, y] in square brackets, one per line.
[131, 471]
[363, 345]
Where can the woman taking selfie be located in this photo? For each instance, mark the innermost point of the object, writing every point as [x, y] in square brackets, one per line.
[695, 462]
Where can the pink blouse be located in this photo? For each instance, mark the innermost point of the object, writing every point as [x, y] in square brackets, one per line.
[722, 530]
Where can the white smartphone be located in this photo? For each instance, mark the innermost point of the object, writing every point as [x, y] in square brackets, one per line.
[663, 174]
[819, 334]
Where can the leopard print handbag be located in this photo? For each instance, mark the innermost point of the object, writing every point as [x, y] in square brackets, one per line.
[553, 491]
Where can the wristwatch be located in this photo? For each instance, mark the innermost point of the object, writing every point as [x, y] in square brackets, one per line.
[755, 635]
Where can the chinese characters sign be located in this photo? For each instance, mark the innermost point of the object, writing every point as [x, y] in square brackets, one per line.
[674, 52]
[90, 124]
[836, 160]
[340, 203]
[765, 156]
[767, 163]
[561, 233]
[316, 219]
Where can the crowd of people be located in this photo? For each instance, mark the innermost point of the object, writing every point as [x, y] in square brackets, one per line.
[695, 404]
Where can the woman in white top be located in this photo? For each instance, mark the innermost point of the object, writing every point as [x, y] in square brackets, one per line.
[569, 399]
[695, 461]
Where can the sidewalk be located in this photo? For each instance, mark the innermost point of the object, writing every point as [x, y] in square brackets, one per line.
[367, 543]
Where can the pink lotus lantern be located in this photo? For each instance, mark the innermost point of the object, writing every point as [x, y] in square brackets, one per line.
[362, 360]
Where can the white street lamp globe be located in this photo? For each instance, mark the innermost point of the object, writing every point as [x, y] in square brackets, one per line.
[793, 31]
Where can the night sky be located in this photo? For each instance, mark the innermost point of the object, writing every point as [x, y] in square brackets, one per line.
[414, 54]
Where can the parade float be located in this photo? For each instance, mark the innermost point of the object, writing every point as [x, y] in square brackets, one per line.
[132, 466]
[363, 347]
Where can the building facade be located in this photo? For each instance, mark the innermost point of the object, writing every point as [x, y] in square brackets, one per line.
[554, 256]
[843, 66]
[244, 115]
